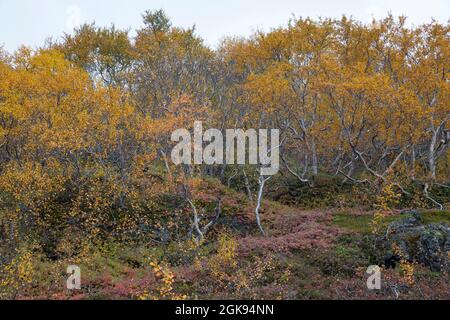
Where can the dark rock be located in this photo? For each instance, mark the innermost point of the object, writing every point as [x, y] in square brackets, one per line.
[434, 246]
[416, 242]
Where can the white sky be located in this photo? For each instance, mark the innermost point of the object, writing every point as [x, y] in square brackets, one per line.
[30, 22]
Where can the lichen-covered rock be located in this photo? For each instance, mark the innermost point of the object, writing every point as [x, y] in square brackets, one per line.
[434, 246]
[413, 241]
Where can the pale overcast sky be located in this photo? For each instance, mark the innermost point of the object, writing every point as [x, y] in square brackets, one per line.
[30, 22]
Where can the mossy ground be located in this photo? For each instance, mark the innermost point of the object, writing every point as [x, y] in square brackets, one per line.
[362, 223]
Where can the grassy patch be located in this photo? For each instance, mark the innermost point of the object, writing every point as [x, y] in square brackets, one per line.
[436, 217]
[362, 223]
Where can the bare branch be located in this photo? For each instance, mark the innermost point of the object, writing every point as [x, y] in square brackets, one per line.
[427, 195]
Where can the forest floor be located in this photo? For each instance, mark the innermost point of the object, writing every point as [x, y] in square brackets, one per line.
[308, 254]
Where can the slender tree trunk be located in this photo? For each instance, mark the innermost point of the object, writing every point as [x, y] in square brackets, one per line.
[196, 221]
[351, 169]
[314, 166]
[262, 182]
[413, 161]
[247, 186]
[432, 156]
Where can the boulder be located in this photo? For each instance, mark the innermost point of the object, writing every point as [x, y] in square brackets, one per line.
[416, 242]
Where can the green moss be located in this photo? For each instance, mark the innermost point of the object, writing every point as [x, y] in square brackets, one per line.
[344, 252]
[362, 223]
[436, 217]
[359, 224]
